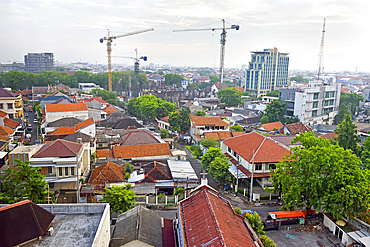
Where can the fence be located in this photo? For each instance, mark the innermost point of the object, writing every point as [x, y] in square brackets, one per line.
[159, 200]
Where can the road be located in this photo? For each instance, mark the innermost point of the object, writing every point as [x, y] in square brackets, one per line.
[33, 132]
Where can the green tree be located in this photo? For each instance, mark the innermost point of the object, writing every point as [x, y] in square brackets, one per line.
[230, 96]
[365, 155]
[120, 198]
[237, 128]
[164, 133]
[210, 155]
[343, 110]
[275, 111]
[200, 113]
[238, 211]
[348, 138]
[108, 96]
[274, 93]
[219, 169]
[351, 100]
[214, 79]
[255, 221]
[171, 79]
[23, 181]
[185, 119]
[264, 119]
[299, 78]
[175, 121]
[150, 107]
[209, 142]
[290, 120]
[322, 176]
[266, 241]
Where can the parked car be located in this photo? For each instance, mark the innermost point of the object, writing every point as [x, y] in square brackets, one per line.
[29, 127]
[35, 120]
[26, 114]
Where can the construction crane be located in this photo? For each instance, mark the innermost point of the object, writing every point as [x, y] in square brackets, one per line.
[109, 40]
[137, 61]
[222, 41]
[320, 63]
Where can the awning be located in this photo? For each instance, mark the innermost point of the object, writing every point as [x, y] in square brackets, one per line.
[233, 170]
[357, 235]
[2, 154]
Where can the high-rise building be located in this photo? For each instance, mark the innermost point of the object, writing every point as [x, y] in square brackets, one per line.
[267, 71]
[34, 62]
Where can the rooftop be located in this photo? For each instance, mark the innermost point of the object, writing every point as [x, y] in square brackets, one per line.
[207, 121]
[5, 131]
[150, 150]
[66, 107]
[109, 172]
[297, 128]
[181, 170]
[222, 135]
[273, 126]
[58, 148]
[138, 137]
[7, 94]
[65, 122]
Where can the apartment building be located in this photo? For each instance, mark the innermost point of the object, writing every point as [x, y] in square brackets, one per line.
[11, 104]
[34, 62]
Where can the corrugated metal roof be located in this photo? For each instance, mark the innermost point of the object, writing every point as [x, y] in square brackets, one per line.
[181, 170]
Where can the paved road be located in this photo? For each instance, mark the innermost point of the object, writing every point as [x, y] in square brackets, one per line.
[33, 132]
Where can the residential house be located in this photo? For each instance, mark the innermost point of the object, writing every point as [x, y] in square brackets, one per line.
[95, 102]
[62, 122]
[97, 114]
[107, 141]
[106, 174]
[88, 87]
[254, 148]
[139, 227]
[61, 87]
[118, 121]
[54, 99]
[217, 87]
[222, 135]
[206, 219]
[271, 127]
[23, 153]
[11, 104]
[63, 163]
[55, 112]
[139, 137]
[110, 109]
[37, 92]
[295, 129]
[25, 93]
[201, 124]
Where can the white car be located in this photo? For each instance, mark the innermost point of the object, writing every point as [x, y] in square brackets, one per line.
[35, 120]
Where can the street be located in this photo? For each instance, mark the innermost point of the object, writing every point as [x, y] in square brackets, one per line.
[29, 120]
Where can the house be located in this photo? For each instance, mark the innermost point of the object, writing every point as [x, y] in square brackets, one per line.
[271, 127]
[110, 109]
[54, 99]
[106, 174]
[295, 129]
[55, 112]
[11, 104]
[138, 137]
[222, 135]
[62, 122]
[107, 141]
[88, 87]
[118, 121]
[201, 124]
[22, 222]
[61, 87]
[206, 219]
[97, 114]
[95, 102]
[142, 227]
[217, 87]
[254, 148]
[62, 163]
[37, 92]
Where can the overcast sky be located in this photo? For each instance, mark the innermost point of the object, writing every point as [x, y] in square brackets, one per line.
[72, 29]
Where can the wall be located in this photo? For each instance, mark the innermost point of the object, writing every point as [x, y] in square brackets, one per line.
[102, 237]
[53, 116]
[89, 130]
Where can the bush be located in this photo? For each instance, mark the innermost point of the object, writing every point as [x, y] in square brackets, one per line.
[266, 241]
[238, 211]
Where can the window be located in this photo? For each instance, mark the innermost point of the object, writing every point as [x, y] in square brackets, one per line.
[50, 169]
[258, 167]
[314, 113]
[272, 166]
[51, 185]
[315, 104]
[72, 171]
[11, 115]
[315, 95]
[10, 106]
[60, 171]
[66, 171]
[229, 149]
[100, 145]
[1, 106]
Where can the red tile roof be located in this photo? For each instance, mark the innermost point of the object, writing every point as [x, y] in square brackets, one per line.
[345, 90]
[138, 137]
[7, 94]
[85, 123]
[63, 131]
[156, 171]
[110, 110]
[273, 126]
[207, 121]
[11, 123]
[239, 89]
[104, 153]
[126, 152]
[330, 136]
[265, 150]
[165, 119]
[58, 148]
[5, 131]
[109, 172]
[222, 135]
[23, 221]
[3, 114]
[99, 99]
[66, 107]
[209, 220]
[297, 128]
[224, 86]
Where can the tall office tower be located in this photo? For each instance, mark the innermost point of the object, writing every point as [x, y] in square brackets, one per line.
[267, 71]
[34, 62]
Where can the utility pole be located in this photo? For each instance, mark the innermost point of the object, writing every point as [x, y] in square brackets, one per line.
[251, 192]
[237, 176]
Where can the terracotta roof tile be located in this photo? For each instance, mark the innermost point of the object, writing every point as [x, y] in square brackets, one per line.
[66, 107]
[3, 114]
[63, 131]
[345, 90]
[4, 138]
[11, 123]
[85, 123]
[110, 110]
[126, 152]
[210, 220]
[138, 137]
[5, 131]
[99, 99]
[297, 128]
[207, 121]
[224, 86]
[59, 148]
[266, 150]
[165, 119]
[156, 171]
[7, 94]
[104, 153]
[273, 126]
[330, 136]
[239, 89]
[109, 172]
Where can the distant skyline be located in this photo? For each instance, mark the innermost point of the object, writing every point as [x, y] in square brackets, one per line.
[72, 29]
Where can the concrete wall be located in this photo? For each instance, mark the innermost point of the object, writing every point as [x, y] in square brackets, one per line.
[53, 116]
[102, 237]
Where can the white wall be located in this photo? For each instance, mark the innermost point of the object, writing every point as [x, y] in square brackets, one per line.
[89, 130]
[53, 116]
[102, 236]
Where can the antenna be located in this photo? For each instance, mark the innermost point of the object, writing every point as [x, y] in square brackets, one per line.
[320, 63]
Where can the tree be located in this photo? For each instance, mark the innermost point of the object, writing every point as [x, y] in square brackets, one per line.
[209, 142]
[351, 100]
[237, 128]
[150, 107]
[275, 111]
[274, 93]
[210, 155]
[109, 96]
[365, 155]
[266, 241]
[219, 169]
[185, 119]
[343, 110]
[214, 79]
[171, 79]
[290, 120]
[200, 113]
[255, 221]
[347, 131]
[164, 133]
[175, 121]
[120, 198]
[264, 119]
[299, 78]
[23, 181]
[322, 176]
[230, 96]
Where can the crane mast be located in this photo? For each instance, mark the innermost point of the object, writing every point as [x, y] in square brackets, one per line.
[222, 42]
[109, 40]
[320, 64]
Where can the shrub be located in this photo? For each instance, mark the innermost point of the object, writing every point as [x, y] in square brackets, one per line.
[266, 241]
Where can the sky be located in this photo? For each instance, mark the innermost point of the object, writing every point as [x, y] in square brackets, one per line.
[72, 29]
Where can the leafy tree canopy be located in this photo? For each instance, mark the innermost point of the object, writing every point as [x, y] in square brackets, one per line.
[351, 100]
[171, 79]
[219, 169]
[237, 128]
[230, 96]
[275, 111]
[150, 107]
[255, 221]
[214, 79]
[109, 96]
[274, 93]
[209, 142]
[120, 198]
[180, 121]
[164, 133]
[348, 138]
[265, 119]
[299, 78]
[210, 155]
[322, 176]
[23, 181]
[343, 110]
[200, 113]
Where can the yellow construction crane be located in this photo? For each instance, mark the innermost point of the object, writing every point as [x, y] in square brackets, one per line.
[222, 41]
[109, 40]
